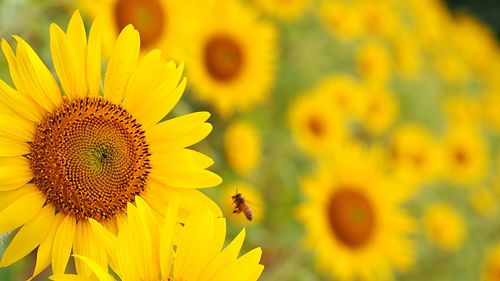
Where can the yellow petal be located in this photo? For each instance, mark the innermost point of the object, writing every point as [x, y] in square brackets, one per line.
[12, 61]
[100, 271]
[15, 128]
[28, 237]
[245, 266]
[70, 277]
[228, 255]
[69, 66]
[44, 253]
[183, 177]
[7, 197]
[106, 239]
[14, 172]
[21, 211]
[77, 38]
[11, 148]
[35, 78]
[121, 64]
[167, 236]
[94, 58]
[20, 104]
[86, 244]
[61, 249]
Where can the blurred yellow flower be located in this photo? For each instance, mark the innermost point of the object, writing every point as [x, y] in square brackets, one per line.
[161, 23]
[86, 154]
[374, 63]
[252, 196]
[354, 219]
[462, 110]
[483, 201]
[316, 125]
[380, 110]
[491, 265]
[344, 92]
[489, 109]
[408, 57]
[414, 154]
[231, 59]
[465, 156]
[444, 226]
[143, 249]
[378, 18]
[287, 10]
[450, 66]
[242, 147]
[340, 18]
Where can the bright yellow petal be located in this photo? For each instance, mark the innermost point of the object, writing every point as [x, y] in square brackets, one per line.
[35, 78]
[106, 238]
[14, 172]
[94, 58]
[100, 271]
[20, 104]
[28, 237]
[245, 266]
[11, 148]
[77, 38]
[161, 101]
[167, 233]
[21, 211]
[70, 277]
[86, 244]
[181, 131]
[7, 197]
[63, 239]
[183, 177]
[228, 255]
[44, 253]
[15, 128]
[121, 64]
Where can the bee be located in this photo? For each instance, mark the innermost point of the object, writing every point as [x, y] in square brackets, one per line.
[240, 205]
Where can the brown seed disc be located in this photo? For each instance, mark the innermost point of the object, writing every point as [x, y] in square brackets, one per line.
[223, 58]
[90, 158]
[147, 16]
[351, 217]
[316, 126]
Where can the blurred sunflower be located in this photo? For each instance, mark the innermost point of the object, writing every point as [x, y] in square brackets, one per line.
[354, 220]
[491, 265]
[287, 10]
[143, 249]
[85, 154]
[374, 63]
[414, 154]
[340, 18]
[483, 201]
[444, 226]
[462, 110]
[344, 92]
[465, 155]
[380, 110]
[315, 123]
[242, 147]
[161, 23]
[232, 57]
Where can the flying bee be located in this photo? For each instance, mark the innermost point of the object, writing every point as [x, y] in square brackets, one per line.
[240, 205]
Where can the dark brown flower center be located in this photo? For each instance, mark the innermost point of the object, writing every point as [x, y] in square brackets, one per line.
[460, 156]
[90, 158]
[316, 126]
[223, 58]
[147, 16]
[351, 217]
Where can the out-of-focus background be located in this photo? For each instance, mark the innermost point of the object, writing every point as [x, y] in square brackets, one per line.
[363, 134]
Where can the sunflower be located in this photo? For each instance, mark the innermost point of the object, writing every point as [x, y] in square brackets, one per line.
[344, 92]
[414, 154]
[465, 155]
[231, 58]
[354, 218]
[315, 123]
[444, 226]
[77, 154]
[341, 19]
[283, 9]
[491, 265]
[152, 257]
[380, 110]
[242, 147]
[161, 23]
[373, 63]
[483, 201]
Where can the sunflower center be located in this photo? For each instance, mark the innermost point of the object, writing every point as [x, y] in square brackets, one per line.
[145, 15]
[223, 58]
[461, 156]
[351, 217]
[90, 158]
[316, 126]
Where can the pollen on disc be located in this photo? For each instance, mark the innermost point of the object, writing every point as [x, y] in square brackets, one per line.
[90, 158]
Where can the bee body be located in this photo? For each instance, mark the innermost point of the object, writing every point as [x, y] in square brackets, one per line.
[240, 205]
